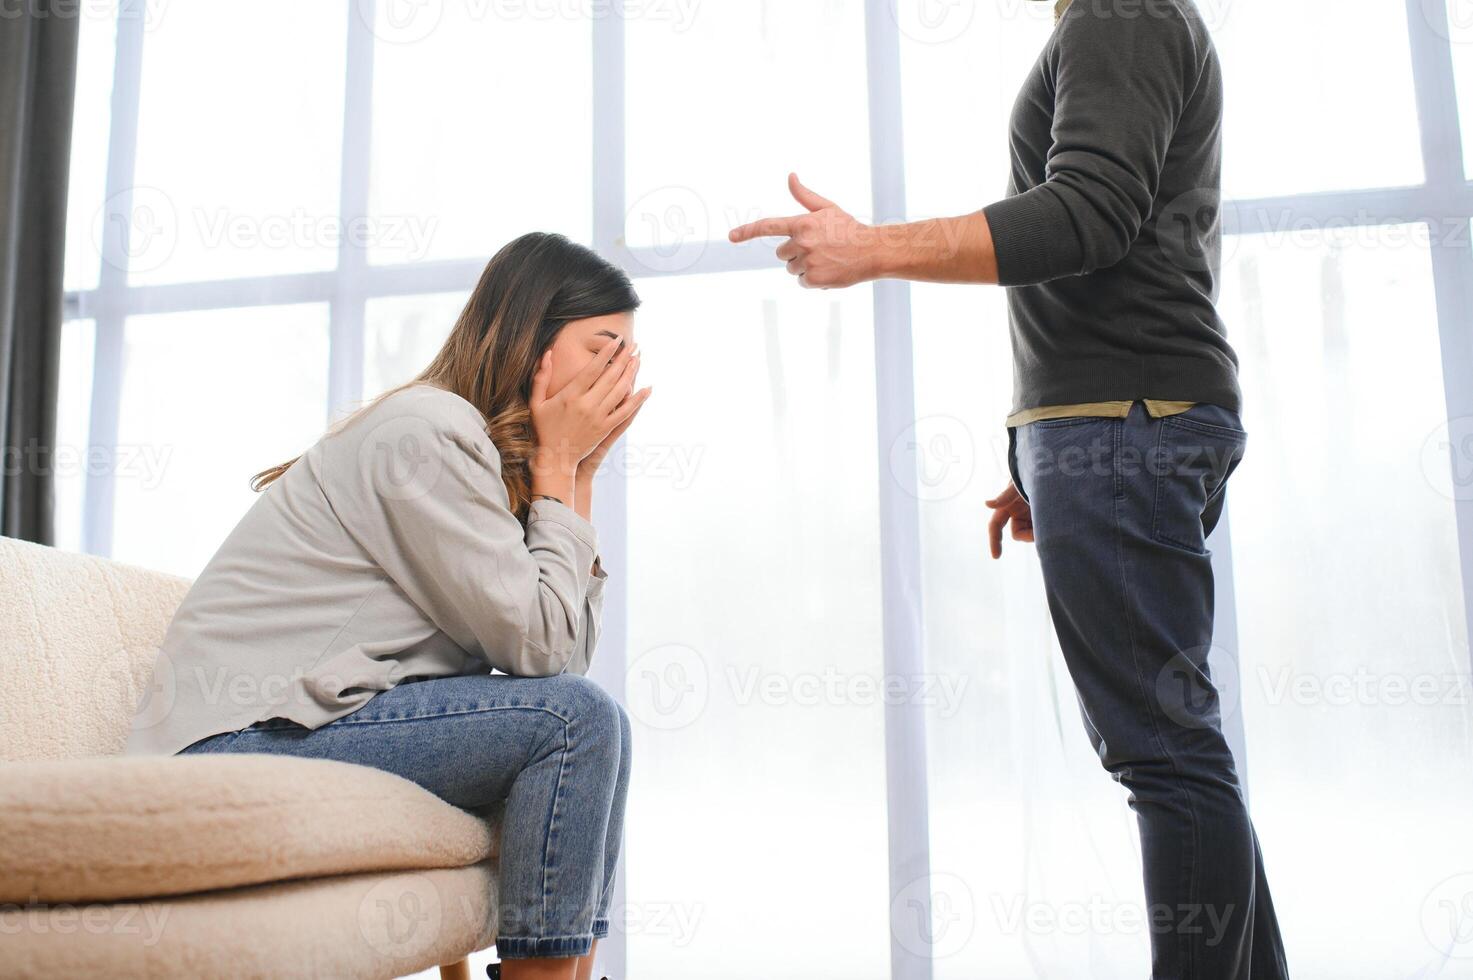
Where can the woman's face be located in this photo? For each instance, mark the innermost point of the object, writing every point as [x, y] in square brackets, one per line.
[579, 340]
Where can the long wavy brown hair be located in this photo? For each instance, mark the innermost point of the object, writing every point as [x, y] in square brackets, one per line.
[529, 290]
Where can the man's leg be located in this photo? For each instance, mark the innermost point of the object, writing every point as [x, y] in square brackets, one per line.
[1118, 516]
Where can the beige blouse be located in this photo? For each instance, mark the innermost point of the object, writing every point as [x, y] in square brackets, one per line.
[388, 551]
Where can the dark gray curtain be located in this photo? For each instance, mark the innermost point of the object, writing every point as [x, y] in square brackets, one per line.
[38, 65]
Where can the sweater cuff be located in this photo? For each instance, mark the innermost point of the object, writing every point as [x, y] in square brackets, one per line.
[1033, 238]
[543, 509]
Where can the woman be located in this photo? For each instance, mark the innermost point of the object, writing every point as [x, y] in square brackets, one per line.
[439, 532]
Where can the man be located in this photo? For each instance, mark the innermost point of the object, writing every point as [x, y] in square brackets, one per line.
[1124, 427]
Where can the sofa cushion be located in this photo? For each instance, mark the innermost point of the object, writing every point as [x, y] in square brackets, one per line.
[366, 926]
[142, 827]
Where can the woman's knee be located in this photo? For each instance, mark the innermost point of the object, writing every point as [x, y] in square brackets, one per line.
[586, 707]
[625, 735]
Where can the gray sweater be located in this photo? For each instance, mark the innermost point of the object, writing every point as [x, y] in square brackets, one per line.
[1110, 238]
[388, 551]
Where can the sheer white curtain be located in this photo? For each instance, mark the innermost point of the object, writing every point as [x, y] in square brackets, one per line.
[279, 208]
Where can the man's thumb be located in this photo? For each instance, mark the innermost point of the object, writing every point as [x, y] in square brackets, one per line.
[806, 197]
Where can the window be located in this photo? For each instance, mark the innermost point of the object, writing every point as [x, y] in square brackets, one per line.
[798, 519]
[1353, 642]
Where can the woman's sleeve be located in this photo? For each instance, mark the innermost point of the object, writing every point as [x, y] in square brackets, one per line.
[420, 488]
[590, 626]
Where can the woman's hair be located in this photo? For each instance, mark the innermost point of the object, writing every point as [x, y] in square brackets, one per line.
[528, 291]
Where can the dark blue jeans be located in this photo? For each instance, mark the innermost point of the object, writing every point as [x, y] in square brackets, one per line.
[1121, 513]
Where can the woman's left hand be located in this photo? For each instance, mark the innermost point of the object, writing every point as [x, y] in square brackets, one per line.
[594, 460]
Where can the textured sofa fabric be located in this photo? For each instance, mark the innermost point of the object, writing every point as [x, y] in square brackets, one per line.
[216, 866]
[111, 828]
[80, 635]
[367, 926]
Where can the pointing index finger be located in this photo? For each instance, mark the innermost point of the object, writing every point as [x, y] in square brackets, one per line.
[765, 228]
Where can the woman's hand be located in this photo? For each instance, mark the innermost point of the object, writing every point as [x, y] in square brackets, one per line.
[575, 421]
[595, 459]
[1009, 506]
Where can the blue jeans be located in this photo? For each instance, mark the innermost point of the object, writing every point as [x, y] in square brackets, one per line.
[554, 749]
[1121, 513]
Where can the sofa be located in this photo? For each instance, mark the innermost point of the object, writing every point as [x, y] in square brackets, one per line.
[199, 866]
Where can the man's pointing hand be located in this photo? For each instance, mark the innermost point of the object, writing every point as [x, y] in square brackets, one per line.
[825, 248]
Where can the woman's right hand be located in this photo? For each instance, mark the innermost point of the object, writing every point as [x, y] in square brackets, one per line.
[571, 423]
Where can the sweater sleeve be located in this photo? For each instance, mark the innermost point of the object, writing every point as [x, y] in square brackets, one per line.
[1120, 80]
[423, 495]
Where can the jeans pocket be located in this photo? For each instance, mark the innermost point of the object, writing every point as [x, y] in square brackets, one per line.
[1013, 463]
[1193, 462]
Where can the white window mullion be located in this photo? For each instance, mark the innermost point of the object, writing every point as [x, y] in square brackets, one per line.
[908, 818]
[1452, 256]
[611, 491]
[112, 284]
[346, 316]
